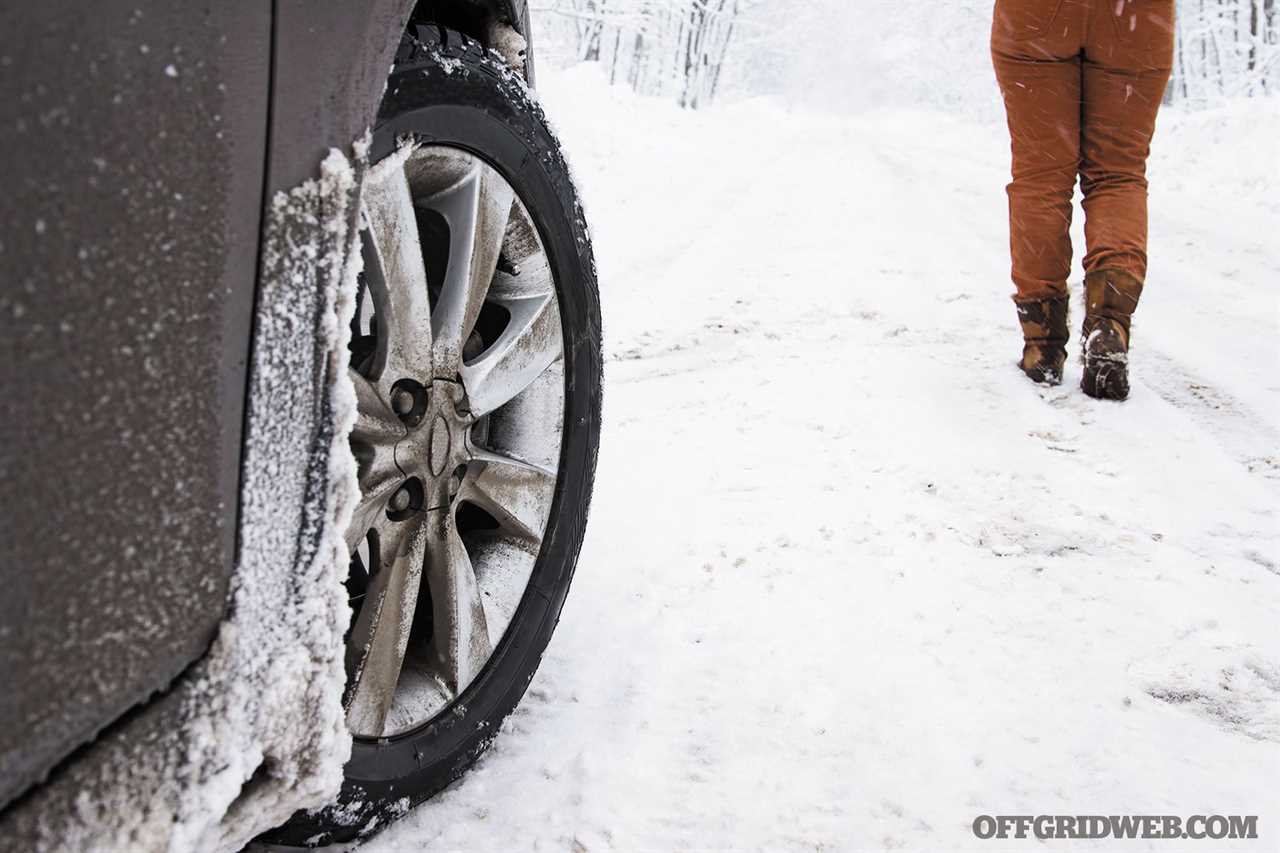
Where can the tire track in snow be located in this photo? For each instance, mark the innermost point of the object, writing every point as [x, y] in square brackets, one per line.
[1244, 435]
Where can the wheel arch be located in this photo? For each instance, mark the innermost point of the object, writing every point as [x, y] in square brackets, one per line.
[479, 19]
[472, 17]
[322, 97]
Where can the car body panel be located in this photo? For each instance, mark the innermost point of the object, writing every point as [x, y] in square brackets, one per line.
[146, 165]
[321, 96]
[134, 142]
[325, 95]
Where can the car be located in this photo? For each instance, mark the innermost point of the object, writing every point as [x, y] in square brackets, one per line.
[301, 406]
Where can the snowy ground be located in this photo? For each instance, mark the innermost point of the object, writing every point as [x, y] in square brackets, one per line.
[850, 580]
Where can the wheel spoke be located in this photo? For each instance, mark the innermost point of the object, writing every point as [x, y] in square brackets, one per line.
[476, 209]
[375, 650]
[397, 277]
[460, 632]
[373, 502]
[373, 440]
[375, 422]
[514, 492]
[530, 343]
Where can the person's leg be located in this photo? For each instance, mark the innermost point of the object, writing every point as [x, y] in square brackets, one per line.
[1035, 50]
[1042, 103]
[1128, 58]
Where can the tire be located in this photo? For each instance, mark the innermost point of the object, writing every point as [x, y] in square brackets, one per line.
[446, 90]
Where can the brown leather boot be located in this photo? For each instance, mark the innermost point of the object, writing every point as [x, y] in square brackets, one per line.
[1044, 335]
[1111, 296]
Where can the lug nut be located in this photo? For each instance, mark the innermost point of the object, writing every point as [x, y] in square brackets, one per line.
[507, 265]
[400, 500]
[402, 401]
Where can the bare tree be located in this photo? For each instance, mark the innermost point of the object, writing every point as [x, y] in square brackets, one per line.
[659, 47]
[1226, 48]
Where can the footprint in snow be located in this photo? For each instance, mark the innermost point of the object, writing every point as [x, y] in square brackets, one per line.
[1235, 688]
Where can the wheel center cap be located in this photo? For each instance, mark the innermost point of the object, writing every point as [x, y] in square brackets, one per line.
[438, 446]
[434, 448]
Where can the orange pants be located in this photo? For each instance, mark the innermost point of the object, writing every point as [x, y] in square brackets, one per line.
[1082, 81]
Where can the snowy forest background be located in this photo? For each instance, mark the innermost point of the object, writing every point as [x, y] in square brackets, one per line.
[838, 54]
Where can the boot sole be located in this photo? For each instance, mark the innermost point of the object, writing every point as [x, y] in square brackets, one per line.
[1047, 371]
[1042, 378]
[1106, 380]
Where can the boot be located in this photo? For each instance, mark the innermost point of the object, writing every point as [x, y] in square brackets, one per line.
[1044, 334]
[1111, 296]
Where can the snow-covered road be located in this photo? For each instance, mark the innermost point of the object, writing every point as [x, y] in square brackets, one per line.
[850, 580]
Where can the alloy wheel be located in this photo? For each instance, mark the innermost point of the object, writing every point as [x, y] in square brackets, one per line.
[457, 361]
